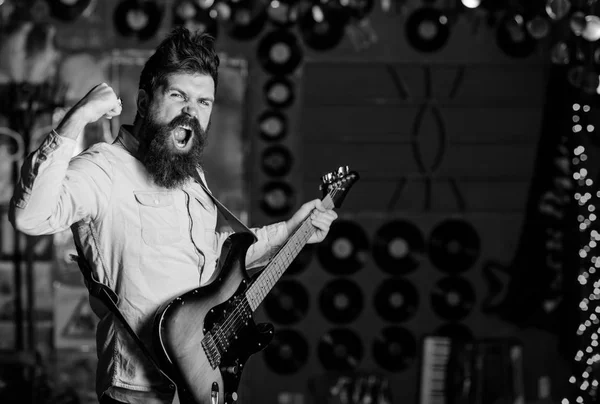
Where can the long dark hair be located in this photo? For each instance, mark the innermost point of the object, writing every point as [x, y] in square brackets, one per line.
[181, 51]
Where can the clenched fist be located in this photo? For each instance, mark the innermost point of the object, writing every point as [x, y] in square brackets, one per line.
[100, 101]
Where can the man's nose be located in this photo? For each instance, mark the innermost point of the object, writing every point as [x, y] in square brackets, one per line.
[191, 110]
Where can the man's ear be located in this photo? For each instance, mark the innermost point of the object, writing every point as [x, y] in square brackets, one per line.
[143, 103]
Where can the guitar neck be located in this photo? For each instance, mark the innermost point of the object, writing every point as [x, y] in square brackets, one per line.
[282, 260]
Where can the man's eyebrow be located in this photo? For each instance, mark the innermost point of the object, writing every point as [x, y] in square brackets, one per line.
[174, 88]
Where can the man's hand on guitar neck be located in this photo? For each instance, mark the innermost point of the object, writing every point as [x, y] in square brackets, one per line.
[320, 217]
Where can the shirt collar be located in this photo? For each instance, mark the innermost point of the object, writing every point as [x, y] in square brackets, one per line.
[126, 138]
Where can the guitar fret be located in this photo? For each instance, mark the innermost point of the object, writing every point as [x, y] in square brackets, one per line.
[282, 259]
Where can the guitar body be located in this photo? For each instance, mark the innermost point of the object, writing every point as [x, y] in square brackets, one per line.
[205, 336]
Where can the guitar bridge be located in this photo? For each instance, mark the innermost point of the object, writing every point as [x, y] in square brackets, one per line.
[211, 350]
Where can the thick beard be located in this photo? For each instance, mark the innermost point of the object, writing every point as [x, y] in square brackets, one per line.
[170, 168]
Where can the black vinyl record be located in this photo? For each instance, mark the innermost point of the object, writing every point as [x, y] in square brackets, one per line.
[272, 125]
[277, 198]
[302, 260]
[246, 21]
[396, 300]
[276, 161]
[287, 353]
[452, 298]
[513, 38]
[279, 92]
[325, 31]
[279, 52]
[344, 250]
[195, 18]
[283, 13]
[340, 350]
[398, 247]
[427, 29]
[68, 10]
[456, 332]
[341, 301]
[394, 349]
[287, 302]
[454, 246]
[137, 18]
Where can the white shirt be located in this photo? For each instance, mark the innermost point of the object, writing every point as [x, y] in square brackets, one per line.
[146, 243]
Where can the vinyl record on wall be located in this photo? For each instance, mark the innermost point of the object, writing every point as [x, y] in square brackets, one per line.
[68, 10]
[139, 19]
[272, 125]
[513, 38]
[344, 250]
[287, 353]
[341, 301]
[452, 298]
[302, 260]
[340, 349]
[279, 52]
[283, 13]
[427, 29]
[277, 198]
[322, 25]
[396, 300]
[394, 349]
[454, 246]
[455, 331]
[398, 247]
[247, 20]
[287, 303]
[276, 161]
[279, 92]
[189, 14]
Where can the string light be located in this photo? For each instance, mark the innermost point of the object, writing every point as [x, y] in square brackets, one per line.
[585, 382]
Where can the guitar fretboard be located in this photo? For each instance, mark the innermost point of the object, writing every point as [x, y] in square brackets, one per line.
[282, 259]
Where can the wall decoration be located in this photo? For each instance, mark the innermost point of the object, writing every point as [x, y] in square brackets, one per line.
[341, 301]
[398, 247]
[288, 302]
[344, 250]
[287, 353]
[340, 349]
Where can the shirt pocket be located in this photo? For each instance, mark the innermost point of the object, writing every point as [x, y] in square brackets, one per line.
[158, 218]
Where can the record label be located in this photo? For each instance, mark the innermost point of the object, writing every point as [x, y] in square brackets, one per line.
[394, 349]
[277, 198]
[344, 250]
[454, 246]
[452, 298]
[341, 301]
[396, 300]
[287, 353]
[398, 247]
[279, 52]
[340, 349]
[287, 303]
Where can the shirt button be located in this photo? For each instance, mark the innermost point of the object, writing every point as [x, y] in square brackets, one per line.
[42, 158]
[156, 201]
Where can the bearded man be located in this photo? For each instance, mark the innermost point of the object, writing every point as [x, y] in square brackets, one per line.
[137, 209]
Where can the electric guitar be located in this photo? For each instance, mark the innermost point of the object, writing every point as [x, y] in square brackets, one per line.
[204, 337]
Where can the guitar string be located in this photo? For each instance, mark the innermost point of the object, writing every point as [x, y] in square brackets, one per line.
[235, 318]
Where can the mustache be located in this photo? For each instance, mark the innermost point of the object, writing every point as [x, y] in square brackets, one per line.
[186, 120]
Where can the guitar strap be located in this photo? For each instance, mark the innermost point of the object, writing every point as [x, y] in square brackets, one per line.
[111, 300]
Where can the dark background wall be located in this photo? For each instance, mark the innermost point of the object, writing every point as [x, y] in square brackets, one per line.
[471, 113]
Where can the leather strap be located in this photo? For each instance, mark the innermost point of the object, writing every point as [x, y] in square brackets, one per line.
[235, 223]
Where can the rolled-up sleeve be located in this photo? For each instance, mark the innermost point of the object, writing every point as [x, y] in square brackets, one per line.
[269, 239]
[55, 190]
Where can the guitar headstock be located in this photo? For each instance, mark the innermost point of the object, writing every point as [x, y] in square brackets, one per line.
[337, 184]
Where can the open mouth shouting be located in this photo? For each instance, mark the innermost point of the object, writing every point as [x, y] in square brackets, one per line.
[182, 136]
